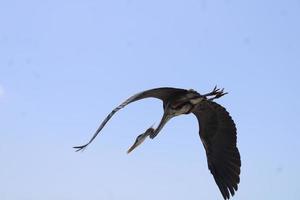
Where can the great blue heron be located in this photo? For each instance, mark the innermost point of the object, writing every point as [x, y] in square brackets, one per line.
[217, 130]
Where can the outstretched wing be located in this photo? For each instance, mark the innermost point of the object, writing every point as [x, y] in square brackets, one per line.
[218, 135]
[160, 93]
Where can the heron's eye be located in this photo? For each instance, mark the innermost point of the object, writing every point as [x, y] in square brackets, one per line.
[139, 137]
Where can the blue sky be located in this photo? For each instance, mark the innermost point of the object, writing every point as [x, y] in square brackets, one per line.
[65, 64]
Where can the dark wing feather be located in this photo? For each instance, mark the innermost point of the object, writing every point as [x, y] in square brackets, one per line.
[218, 135]
[160, 93]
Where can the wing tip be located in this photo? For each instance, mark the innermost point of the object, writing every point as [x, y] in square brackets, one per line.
[226, 187]
[80, 148]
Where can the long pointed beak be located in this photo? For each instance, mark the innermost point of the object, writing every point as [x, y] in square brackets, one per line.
[165, 118]
[150, 132]
[140, 139]
[137, 142]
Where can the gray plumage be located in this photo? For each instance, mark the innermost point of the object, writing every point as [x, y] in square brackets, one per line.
[216, 129]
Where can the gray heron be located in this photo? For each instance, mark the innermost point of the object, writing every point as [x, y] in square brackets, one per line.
[217, 130]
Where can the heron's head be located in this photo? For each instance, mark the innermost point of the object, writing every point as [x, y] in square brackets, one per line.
[140, 139]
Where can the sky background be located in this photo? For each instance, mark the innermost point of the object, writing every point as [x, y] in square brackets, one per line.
[64, 65]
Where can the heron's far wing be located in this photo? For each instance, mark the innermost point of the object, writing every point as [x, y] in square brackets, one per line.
[218, 135]
[160, 93]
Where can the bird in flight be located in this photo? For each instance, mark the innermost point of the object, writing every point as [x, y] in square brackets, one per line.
[216, 129]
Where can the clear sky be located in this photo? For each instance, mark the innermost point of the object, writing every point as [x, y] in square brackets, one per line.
[65, 64]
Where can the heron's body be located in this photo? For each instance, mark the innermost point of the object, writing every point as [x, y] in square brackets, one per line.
[216, 129]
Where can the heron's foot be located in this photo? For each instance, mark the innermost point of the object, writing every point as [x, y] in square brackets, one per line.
[216, 93]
